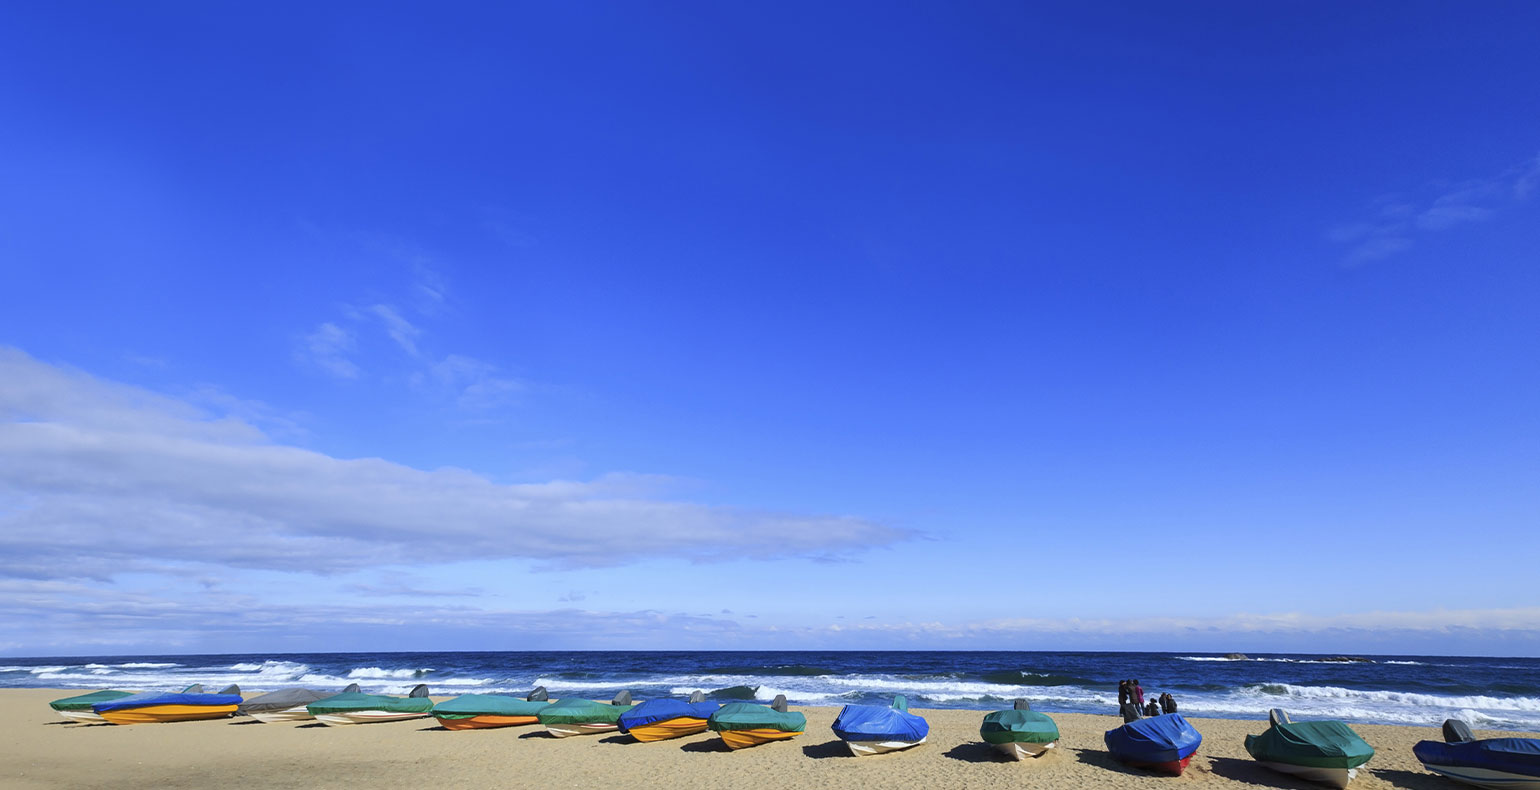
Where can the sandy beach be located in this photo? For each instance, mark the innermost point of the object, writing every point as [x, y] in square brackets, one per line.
[38, 749]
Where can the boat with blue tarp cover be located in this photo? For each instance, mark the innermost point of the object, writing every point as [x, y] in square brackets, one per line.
[1488, 762]
[873, 729]
[1164, 743]
[156, 707]
[664, 718]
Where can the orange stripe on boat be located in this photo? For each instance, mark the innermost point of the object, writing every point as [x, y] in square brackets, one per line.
[487, 721]
[672, 728]
[155, 714]
[738, 739]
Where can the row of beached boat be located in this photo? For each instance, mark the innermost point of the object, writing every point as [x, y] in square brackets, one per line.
[1327, 752]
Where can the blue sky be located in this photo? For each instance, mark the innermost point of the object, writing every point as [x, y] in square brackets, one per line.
[1047, 326]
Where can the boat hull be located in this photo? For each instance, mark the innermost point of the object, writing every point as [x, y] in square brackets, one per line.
[1486, 777]
[160, 714]
[83, 716]
[1331, 777]
[485, 721]
[868, 748]
[1172, 767]
[582, 728]
[741, 739]
[367, 716]
[672, 728]
[280, 716]
[1024, 751]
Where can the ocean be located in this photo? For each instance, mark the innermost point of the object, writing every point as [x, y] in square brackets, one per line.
[1488, 693]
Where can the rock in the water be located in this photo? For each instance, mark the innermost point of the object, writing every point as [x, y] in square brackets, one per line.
[1236, 656]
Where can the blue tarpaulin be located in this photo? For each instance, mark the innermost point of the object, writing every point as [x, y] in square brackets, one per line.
[166, 698]
[1159, 739]
[873, 723]
[1513, 755]
[656, 710]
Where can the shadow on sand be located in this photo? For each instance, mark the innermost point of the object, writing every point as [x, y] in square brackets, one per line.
[705, 746]
[1412, 780]
[820, 751]
[976, 752]
[1251, 772]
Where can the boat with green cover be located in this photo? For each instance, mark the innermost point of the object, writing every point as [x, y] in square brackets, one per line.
[568, 717]
[355, 708]
[1021, 732]
[1328, 752]
[744, 724]
[78, 708]
[483, 711]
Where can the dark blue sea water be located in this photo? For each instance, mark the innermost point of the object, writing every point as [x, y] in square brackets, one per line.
[1491, 693]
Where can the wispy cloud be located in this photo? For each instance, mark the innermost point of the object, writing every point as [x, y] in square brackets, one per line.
[327, 347]
[98, 478]
[1396, 221]
[402, 331]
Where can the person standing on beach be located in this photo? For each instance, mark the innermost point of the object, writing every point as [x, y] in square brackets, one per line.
[1124, 694]
[1138, 692]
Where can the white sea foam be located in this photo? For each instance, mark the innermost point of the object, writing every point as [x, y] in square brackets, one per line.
[145, 665]
[376, 673]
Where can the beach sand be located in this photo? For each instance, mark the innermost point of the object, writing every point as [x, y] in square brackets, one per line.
[39, 749]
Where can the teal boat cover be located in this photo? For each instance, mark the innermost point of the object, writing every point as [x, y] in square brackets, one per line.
[581, 711]
[749, 716]
[1316, 744]
[85, 701]
[488, 705]
[353, 701]
[1018, 726]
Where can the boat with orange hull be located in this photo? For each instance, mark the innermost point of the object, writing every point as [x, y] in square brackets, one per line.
[745, 724]
[159, 707]
[662, 719]
[488, 711]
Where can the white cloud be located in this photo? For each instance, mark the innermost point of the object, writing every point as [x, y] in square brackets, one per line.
[327, 347]
[98, 478]
[402, 331]
[1399, 219]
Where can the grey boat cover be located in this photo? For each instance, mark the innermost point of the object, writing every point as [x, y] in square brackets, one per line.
[283, 699]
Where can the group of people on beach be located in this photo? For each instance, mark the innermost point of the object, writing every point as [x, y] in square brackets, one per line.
[1132, 705]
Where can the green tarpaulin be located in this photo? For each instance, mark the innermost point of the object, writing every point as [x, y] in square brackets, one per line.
[581, 711]
[85, 701]
[749, 716]
[345, 703]
[466, 706]
[1317, 744]
[1018, 726]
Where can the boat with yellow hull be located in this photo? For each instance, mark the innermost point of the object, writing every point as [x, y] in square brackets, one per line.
[159, 707]
[662, 719]
[740, 739]
[744, 724]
